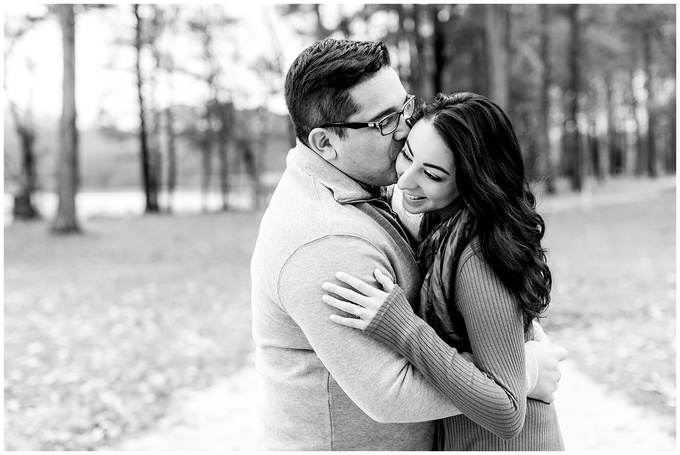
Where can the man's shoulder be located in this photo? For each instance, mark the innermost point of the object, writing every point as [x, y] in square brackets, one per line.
[317, 222]
[305, 207]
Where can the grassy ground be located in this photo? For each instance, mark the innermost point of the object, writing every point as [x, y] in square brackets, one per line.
[101, 329]
[614, 296]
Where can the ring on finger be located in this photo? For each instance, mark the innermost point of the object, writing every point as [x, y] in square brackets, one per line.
[357, 311]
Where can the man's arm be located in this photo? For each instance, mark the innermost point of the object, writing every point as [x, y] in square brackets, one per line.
[380, 381]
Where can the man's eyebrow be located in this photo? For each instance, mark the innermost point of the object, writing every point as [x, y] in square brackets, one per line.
[382, 114]
[385, 112]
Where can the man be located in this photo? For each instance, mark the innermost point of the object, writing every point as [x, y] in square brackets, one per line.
[326, 387]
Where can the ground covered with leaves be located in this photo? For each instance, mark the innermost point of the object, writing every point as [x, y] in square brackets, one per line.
[101, 329]
[614, 296]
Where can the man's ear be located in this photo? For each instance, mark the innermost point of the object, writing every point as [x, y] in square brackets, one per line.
[320, 141]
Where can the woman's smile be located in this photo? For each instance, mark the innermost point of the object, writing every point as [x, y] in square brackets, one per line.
[413, 198]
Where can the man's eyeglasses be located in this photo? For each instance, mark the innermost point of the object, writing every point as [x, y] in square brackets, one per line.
[386, 125]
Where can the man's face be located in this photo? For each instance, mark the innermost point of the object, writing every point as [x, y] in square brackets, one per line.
[364, 154]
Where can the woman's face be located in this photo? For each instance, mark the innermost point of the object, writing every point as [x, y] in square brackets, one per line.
[425, 171]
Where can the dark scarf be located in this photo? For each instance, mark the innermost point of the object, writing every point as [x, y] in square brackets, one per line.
[438, 256]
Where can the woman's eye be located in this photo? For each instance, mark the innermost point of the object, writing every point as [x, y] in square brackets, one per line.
[432, 177]
[405, 154]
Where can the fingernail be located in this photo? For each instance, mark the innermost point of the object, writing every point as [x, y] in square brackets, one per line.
[325, 286]
[338, 274]
[378, 271]
[324, 298]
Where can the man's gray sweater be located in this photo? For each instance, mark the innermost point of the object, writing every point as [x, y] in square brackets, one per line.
[325, 386]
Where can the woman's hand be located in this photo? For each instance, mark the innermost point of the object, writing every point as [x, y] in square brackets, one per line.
[363, 305]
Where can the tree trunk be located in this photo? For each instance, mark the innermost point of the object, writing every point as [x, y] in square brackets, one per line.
[171, 178]
[66, 220]
[405, 39]
[250, 164]
[595, 159]
[586, 151]
[156, 150]
[168, 24]
[544, 149]
[612, 148]
[573, 91]
[672, 158]
[438, 45]
[496, 27]
[23, 204]
[23, 208]
[148, 173]
[222, 136]
[420, 85]
[205, 176]
[649, 106]
[640, 149]
[156, 131]
[565, 156]
[594, 150]
[530, 145]
[206, 162]
[602, 135]
[402, 71]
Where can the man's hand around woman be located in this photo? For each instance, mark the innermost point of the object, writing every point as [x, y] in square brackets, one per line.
[363, 301]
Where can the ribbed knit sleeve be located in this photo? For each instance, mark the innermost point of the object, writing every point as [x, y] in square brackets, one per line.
[493, 395]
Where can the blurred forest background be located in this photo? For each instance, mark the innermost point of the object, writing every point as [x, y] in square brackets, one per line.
[590, 88]
[171, 109]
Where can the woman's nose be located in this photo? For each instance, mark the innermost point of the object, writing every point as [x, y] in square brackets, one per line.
[406, 182]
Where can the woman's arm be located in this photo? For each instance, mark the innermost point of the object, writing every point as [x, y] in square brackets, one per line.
[495, 327]
[495, 399]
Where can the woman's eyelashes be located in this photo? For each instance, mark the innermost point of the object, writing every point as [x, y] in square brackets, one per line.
[428, 174]
[432, 176]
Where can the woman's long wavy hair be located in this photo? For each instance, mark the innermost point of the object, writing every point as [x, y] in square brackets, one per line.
[490, 177]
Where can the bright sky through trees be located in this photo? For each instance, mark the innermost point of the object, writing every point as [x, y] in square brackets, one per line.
[105, 70]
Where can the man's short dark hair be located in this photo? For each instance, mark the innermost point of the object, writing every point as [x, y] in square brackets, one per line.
[320, 79]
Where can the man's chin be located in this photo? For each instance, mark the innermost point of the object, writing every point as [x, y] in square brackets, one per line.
[390, 178]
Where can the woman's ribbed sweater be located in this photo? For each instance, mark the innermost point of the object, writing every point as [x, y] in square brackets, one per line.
[496, 412]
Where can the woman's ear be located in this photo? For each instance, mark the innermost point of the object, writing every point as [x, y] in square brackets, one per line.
[320, 141]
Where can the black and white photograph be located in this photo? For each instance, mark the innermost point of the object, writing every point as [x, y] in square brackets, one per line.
[262, 226]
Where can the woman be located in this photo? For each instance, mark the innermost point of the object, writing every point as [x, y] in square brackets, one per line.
[486, 277]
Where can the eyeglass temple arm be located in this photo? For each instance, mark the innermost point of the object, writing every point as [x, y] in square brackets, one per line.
[354, 125]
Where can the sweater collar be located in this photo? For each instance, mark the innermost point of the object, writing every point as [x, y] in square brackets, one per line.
[345, 189]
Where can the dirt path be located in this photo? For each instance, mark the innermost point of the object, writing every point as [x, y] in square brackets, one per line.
[592, 418]
[222, 418]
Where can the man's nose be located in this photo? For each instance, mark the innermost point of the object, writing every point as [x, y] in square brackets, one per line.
[402, 129]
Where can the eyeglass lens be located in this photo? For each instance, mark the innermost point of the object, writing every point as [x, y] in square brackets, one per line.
[391, 122]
